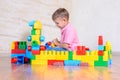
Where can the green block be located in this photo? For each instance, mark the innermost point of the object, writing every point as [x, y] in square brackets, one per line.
[100, 58]
[34, 43]
[110, 52]
[104, 48]
[33, 57]
[70, 55]
[33, 32]
[101, 63]
[22, 45]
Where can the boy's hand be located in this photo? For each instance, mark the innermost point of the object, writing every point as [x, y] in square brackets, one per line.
[56, 42]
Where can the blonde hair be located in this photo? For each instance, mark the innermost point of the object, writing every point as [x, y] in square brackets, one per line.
[61, 12]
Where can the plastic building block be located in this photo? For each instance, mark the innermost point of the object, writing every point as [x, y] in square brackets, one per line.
[53, 45]
[56, 62]
[37, 25]
[16, 45]
[29, 48]
[26, 60]
[84, 64]
[100, 40]
[100, 53]
[42, 47]
[42, 38]
[38, 32]
[72, 62]
[100, 62]
[14, 60]
[81, 50]
[29, 38]
[37, 47]
[33, 32]
[35, 52]
[34, 43]
[100, 47]
[31, 23]
[39, 62]
[22, 45]
[70, 55]
[49, 43]
[18, 51]
[13, 45]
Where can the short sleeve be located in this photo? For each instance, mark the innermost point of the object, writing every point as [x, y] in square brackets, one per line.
[68, 36]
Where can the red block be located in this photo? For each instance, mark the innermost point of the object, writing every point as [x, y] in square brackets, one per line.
[100, 53]
[42, 47]
[84, 64]
[87, 49]
[100, 40]
[35, 52]
[81, 50]
[79, 47]
[16, 45]
[29, 48]
[14, 60]
[49, 43]
[16, 51]
[56, 62]
[26, 60]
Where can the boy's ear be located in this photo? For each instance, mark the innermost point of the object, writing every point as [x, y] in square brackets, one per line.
[64, 19]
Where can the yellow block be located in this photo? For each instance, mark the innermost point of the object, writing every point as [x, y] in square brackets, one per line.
[108, 46]
[36, 38]
[94, 55]
[91, 63]
[52, 45]
[105, 56]
[51, 55]
[39, 62]
[13, 45]
[110, 56]
[38, 32]
[62, 55]
[37, 25]
[74, 55]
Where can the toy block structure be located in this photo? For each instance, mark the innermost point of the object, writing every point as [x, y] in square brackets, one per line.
[41, 54]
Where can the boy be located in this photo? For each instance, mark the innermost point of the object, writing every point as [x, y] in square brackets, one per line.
[69, 39]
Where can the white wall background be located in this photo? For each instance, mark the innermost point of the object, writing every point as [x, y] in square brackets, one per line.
[15, 15]
[90, 17]
[97, 17]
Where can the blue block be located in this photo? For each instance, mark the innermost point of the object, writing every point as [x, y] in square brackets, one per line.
[109, 62]
[36, 47]
[100, 47]
[47, 46]
[28, 54]
[20, 60]
[29, 38]
[42, 38]
[16, 55]
[72, 62]
[31, 23]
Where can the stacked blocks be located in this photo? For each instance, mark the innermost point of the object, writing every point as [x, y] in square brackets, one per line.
[18, 52]
[39, 54]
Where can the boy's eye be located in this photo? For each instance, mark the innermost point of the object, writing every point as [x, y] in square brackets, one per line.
[57, 23]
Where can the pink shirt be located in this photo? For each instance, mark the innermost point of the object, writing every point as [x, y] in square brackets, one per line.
[69, 36]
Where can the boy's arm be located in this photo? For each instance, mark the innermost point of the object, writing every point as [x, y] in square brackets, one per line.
[63, 45]
[57, 43]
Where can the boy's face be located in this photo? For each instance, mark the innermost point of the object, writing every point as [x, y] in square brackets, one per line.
[61, 22]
